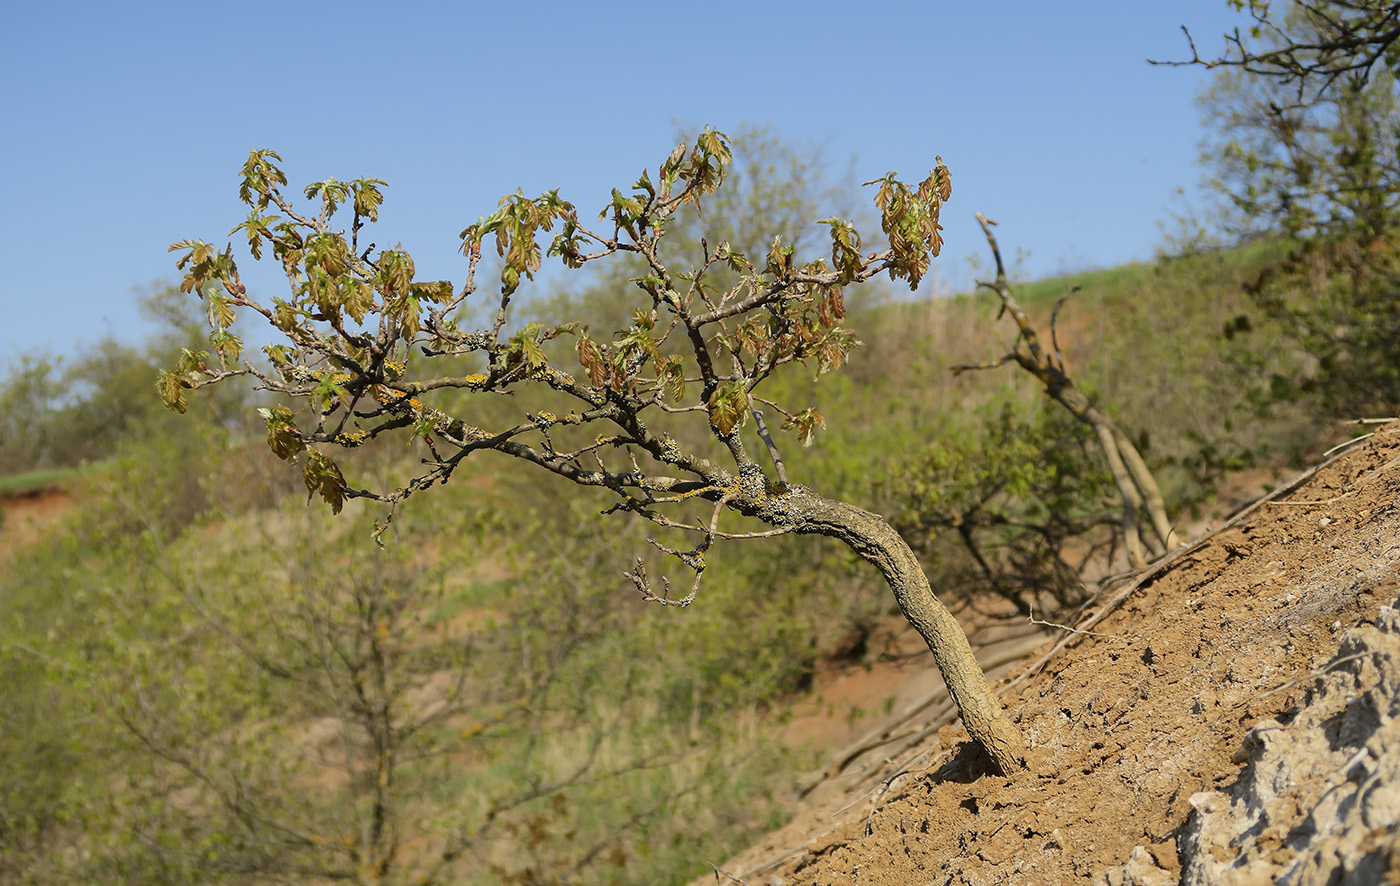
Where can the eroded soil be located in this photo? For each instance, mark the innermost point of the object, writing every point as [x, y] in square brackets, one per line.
[1130, 721]
[23, 518]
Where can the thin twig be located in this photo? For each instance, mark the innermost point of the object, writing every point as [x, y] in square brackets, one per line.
[883, 785]
[694, 558]
[1320, 672]
[719, 870]
[772, 447]
[1054, 318]
[1050, 624]
[1359, 485]
[1340, 446]
[960, 368]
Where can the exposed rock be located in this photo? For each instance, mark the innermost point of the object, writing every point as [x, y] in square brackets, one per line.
[1141, 870]
[1319, 801]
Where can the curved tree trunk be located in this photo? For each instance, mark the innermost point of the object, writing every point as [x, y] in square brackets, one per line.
[872, 537]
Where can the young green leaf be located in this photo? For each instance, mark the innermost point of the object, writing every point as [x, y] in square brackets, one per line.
[729, 407]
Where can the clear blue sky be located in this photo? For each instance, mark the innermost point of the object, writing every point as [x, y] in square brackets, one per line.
[124, 123]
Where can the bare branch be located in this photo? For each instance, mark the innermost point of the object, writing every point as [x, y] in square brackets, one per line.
[1137, 488]
[772, 447]
[1054, 334]
[693, 558]
[1319, 48]
[960, 368]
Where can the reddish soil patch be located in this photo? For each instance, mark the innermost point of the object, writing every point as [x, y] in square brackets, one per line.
[1128, 722]
[850, 699]
[25, 516]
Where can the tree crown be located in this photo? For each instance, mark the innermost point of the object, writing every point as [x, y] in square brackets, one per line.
[369, 350]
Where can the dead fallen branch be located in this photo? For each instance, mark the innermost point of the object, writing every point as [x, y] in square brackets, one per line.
[1137, 488]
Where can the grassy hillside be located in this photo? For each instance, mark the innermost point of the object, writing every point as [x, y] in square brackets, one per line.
[30, 482]
[204, 677]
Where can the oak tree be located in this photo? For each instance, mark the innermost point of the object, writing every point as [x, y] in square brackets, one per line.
[368, 350]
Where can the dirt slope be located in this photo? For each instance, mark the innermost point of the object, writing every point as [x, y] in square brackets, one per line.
[1152, 715]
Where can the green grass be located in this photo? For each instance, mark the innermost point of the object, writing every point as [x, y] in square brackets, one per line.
[1122, 280]
[1123, 277]
[31, 482]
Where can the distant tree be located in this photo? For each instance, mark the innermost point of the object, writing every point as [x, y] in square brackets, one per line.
[303, 748]
[29, 394]
[1311, 46]
[57, 412]
[1304, 116]
[371, 351]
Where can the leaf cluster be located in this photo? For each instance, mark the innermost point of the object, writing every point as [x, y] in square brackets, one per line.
[361, 333]
[910, 219]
